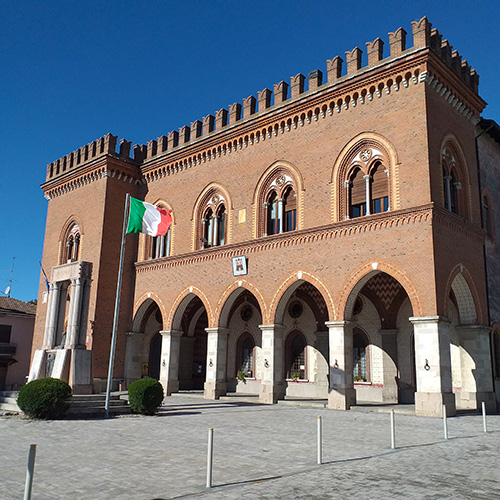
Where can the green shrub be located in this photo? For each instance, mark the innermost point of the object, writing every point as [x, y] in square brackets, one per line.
[45, 398]
[145, 396]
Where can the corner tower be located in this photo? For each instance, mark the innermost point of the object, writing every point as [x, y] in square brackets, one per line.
[86, 193]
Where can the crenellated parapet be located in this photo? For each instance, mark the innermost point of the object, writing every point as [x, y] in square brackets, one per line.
[104, 146]
[424, 37]
[378, 75]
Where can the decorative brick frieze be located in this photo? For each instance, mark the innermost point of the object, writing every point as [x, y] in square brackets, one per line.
[376, 222]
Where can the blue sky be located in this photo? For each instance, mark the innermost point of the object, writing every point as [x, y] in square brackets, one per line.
[74, 71]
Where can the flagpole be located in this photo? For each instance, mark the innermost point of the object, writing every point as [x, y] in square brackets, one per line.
[117, 307]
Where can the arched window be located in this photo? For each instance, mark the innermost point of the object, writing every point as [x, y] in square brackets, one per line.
[296, 356]
[367, 184]
[278, 203]
[357, 193]
[213, 220]
[290, 210]
[360, 356]
[452, 185]
[160, 246]
[214, 223]
[72, 251]
[496, 353]
[246, 355]
[272, 226]
[157, 247]
[379, 189]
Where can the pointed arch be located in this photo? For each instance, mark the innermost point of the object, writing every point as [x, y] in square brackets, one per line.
[367, 152]
[362, 275]
[216, 201]
[288, 286]
[141, 306]
[70, 240]
[456, 184]
[224, 304]
[175, 314]
[466, 295]
[277, 180]
[155, 247]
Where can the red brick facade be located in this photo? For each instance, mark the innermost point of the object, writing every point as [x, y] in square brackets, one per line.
[396, 124]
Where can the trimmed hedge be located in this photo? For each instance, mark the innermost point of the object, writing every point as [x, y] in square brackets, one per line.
[145, 396]
[45, 398]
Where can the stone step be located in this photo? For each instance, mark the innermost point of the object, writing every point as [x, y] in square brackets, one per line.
[10, 394]
[9, 407]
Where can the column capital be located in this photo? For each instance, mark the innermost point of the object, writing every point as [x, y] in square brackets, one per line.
[273, 327]
[171, 333]
[415, 320]
[335, 324]
[217, 329]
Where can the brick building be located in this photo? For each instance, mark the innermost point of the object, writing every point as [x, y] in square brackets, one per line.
[327, 242]
[17, 319]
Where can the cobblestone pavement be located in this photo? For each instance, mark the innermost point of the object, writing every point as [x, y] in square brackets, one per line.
[260, 452]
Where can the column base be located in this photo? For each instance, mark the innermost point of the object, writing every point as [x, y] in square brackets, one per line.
[430, 404]
[341, 399]
[472, 401]
[270, 394]
[170, 386]
[214, 390]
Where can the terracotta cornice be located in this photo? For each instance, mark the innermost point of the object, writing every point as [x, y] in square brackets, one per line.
[103, 166]
[330, 231]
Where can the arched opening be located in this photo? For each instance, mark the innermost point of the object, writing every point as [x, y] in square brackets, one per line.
[240, 317]
[191, 321]
[143, 348]
[302, 341]
[154, 356]
[383, 355]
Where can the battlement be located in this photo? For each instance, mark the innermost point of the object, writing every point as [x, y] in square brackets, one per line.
[104, 145]
[283, 92]
[424, 37]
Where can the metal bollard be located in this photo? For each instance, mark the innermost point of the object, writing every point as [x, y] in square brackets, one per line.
[393, 431]
[320, 439]
[445, 423]
[29, 472]
[210, 456]
[483, 406]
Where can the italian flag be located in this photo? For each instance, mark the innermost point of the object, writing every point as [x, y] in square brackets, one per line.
[147, 218]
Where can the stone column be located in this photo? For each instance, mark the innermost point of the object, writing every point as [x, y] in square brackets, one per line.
[389, 365]
[433, 366]
[347, 185]
[475, 363]
[341, 393]
[215, 219]
[447, 191]
[272, 387]
[82, 336]
[133, 351]
[280, 216]
[216, 381]
[367, 179]
[75, 309]
[169, 366]
[49, 339]
[266, 215]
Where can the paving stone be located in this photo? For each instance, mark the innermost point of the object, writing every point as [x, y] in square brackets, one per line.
[260, 452]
